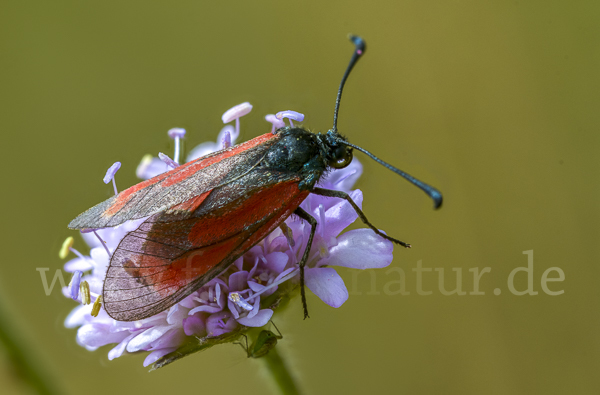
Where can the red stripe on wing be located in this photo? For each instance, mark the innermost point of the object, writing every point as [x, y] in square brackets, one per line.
[192, 167]
[182, 172]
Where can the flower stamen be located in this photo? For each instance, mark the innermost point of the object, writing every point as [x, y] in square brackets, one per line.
[110, 175]
[277, 123]
[176, 134]
[289, 114]
[236, 113]
[289, 235]
[96, 307]
[84, 289]
[239, 301]
[103, 243]
[66, 246]
[74, 284]
[170, 162]
[226, 140]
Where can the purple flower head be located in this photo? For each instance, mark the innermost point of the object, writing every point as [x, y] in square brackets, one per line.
[247, 294]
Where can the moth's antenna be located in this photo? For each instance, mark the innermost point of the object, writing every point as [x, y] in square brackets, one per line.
[361, 47]
[433, 193]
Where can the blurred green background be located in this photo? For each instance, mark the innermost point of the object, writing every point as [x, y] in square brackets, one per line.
[495, 103]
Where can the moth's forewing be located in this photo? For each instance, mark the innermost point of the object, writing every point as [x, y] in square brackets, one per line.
[178, 186]
[172, 254]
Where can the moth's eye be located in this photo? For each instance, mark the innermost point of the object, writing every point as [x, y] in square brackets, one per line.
[342, 157]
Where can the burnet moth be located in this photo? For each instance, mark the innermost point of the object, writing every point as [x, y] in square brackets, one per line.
[206, 213]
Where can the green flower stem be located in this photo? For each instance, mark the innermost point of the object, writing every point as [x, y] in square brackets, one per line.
[25, 365]
[279, 372]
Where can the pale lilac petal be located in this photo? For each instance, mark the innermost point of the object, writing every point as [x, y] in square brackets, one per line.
[202, 150]
[78, 264]
[120, 348]
[237, 281]
[236, 112]
[255, 309]
[218, 295]
[219, 323]
[233, 309]
[361, 249]
[77, 316]
[239, 263]
[205, 309]
[327, 285]
[172, 338]
[158, 354]
[176, 314]
[339, 216]
[150, 167]
[256, 287]
[343, 179]
[143, 340]
[276, 261]
[94, 335]
[189, 302]
[194, 325]
[101, 259]
[255, 267]
[260, 319]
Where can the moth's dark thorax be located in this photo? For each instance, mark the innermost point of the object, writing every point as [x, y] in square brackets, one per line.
[297, 151]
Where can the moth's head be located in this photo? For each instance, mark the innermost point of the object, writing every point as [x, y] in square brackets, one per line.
[338, 155]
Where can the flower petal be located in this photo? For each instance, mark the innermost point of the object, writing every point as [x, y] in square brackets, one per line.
[341, 214]
[238, 281]
[206, 309]
[194, 325]
[78, 264]
[176, 314]
[202, 150]
[120, 348]
[258, 320]
[78, 315]
[220, 323]
[276, 261]
[327, 285]
[94, 335]
[156, 355]
[143, 340]
[343, 179]
[360, 249]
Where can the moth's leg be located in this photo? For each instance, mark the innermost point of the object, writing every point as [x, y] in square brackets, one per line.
[345, 196]
[313, 227]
